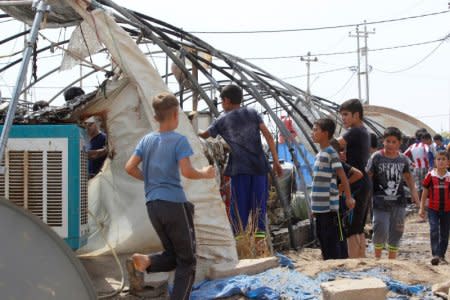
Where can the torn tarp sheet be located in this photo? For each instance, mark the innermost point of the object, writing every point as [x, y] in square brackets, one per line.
[284, 283]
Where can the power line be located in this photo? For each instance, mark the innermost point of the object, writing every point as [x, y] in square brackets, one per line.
[351, 52]
[317, 73]
[343, 87]
[414, 65]
[321, 28]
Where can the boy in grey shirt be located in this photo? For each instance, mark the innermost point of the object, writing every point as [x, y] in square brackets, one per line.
[388, 168]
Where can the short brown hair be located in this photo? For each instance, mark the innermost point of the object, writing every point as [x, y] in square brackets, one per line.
[353, 106]
[443, 153]
[163, 104]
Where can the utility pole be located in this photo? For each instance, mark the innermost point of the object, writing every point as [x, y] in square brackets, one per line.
[364, 51]
[308, 61]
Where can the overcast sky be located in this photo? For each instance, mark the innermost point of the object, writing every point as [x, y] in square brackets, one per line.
[414, 80]
[423, 91]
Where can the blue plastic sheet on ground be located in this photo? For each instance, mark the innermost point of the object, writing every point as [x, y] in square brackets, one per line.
[285, 261]
[288, 283]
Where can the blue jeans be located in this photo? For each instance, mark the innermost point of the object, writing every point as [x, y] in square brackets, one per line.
[439, 231]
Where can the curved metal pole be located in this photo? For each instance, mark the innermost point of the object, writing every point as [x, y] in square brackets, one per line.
[14, 36]
[41, 9]
[174, 58]
[38, 51]
[73, 82]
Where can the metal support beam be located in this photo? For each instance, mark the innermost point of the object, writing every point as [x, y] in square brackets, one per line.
[41, 7]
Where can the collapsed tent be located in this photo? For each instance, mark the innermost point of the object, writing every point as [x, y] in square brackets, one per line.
[124, 102]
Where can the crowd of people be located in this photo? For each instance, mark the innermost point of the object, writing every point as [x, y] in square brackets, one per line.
[423, 166]
[352, 178]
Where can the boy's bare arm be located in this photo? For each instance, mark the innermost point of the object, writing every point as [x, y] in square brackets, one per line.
[412, 187]
[423, 200]
[355, 175]
[188, 171]
[342, 142]
[269, 139]
[132, 167]
[348, 195]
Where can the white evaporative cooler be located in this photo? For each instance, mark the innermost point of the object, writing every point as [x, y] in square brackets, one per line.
[46, 173]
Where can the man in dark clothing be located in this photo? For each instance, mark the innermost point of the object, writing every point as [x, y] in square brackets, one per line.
[97, 148]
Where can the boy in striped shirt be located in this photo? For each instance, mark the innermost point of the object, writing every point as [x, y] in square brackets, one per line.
[437, 189]
[325, 194]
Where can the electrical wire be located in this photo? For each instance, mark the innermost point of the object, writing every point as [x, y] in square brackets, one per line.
[116, 258]
[316, 73]
[323, 27]
[343, 87]
[351, 52]
[414, 65]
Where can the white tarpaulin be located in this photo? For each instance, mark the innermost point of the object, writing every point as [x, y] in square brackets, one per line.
[83, 43]
[115, 198]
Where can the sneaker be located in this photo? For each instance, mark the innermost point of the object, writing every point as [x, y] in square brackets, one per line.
[435, 261]
[135, 277]
[443, 261]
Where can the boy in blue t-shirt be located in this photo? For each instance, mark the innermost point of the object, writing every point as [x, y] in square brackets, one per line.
[241, 128]
[325, 192]
[162, 154]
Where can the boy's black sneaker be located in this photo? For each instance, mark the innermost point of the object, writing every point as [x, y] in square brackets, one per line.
[435, 261]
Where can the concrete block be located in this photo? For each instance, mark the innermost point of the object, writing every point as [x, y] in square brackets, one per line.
[441, 289]
[301, 233]
[243, 266]
[354, 289]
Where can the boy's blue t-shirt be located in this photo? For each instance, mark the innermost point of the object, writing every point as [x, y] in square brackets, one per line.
[240, 129]
[160, 153]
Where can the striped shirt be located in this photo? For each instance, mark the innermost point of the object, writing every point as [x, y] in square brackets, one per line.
[419, 154]
[438, 191]
[325, 195]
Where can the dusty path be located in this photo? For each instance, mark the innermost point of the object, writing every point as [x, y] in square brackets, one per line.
[412, 266]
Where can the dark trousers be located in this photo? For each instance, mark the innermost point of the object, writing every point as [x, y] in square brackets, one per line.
[249, 195]
[359, 216]
[439, 231]
[173, 222]
[328, 234]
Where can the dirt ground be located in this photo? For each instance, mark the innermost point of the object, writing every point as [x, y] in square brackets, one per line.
[412, 266]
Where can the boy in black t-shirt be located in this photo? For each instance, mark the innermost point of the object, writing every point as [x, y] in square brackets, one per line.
[356, 143]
